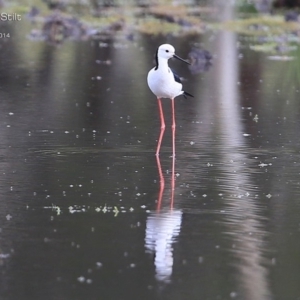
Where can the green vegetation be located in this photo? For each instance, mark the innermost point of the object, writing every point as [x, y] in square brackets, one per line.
[57, 20]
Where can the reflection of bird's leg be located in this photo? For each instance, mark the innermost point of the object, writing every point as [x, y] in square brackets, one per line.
[162, 183]
[162, 126]
[172, 183]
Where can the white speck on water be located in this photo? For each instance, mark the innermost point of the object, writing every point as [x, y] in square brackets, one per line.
[192, 143]
[8, 217]
[246, 134]
[233, 294]
[66, 132]
[132, 265]
[98, 77]
[204, 195]
[200, 259]
[143, 206]
[11, 113]
[263, 165]
[269, 196]
[89, 281]
[81, 279]
[99, 264]
[102, 45]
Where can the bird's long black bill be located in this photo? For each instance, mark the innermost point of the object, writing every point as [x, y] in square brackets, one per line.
[179, 58]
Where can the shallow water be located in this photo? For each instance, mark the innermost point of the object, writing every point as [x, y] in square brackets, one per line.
[83, 214]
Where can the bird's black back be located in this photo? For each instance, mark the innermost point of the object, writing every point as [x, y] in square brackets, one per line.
[176, 77]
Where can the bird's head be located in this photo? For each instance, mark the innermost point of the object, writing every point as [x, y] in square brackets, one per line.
[167, 51]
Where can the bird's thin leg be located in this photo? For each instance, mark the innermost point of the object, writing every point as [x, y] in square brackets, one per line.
[173, 127]
[162, 127]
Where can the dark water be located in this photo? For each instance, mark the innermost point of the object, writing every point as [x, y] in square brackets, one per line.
[79, 184]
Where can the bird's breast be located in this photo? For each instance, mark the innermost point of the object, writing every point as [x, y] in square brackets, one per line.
[162, 83]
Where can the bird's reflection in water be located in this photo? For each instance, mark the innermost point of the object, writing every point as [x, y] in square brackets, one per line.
[162, 228]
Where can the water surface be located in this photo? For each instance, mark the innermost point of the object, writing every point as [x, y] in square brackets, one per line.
[82, 211]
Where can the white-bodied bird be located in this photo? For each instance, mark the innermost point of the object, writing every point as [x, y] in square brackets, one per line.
[164, 83]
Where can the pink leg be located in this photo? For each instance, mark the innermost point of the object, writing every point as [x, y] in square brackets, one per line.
[162, 127]
[173, 158]
[173, 128]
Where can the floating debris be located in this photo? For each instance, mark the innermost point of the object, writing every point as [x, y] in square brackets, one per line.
[8, 217]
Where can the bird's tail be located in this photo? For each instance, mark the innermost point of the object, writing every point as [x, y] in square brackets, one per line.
[185, 94]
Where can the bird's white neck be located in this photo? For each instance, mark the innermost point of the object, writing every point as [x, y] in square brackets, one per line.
[163, 63]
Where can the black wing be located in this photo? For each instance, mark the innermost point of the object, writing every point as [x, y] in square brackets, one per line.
[176, 77]
[185, 94]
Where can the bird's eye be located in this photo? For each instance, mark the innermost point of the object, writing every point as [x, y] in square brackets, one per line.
[167, 50]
